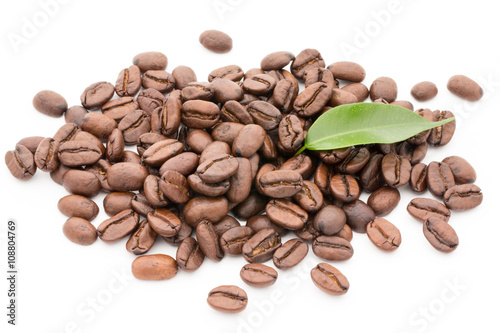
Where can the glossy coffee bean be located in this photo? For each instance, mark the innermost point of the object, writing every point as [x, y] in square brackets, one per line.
[463, 197]
[358, 214]
[260, 84]
[189, 256]
[116, 202]
[463, 172]
[258, 275]
[217, 169]
[335, 155]
[414, 153]
[184, 232]
[332, 248]
[142, 239]
[370, 178]
[311, 100]
[384, 87]
[161, 151]
[322, 176]
[329, 279]
[309, 197]
[204, 208]
[78, 153]
[115, 146]
[240, 183]
[286, 214]
[252, 205]
[160, 80]
[424, 91]
[208, 240]
[80, 231]
[141, 205]
[329, 220]
[232, 240]
[228, 222]
[439, 178]
[345, 233]
[153, 193]
[242, 146]
[348, 71]
[134, 125]
[344, 188]
[260, 222]
[81, 182]
[302, 164]
[146, 140]
[46, 158]
[384, 200]
[323, 75]
[280, 183]
[305, 60]
[418, 177]
[261, 246]
[384, 234]
[96, 95]
[119, 226]
[100, 170]
[154, 267]
[290, 254]
[126, 176]
[197, 90]
[67, 132]
[199, 114]
[441, 135]
[354, 161]
[229, 299]
[78, 206]
[423, 208]
[174, 186]
[395, 170]
[164, 222]
[166, 119]
[465, 88]
[422, 136]
[308, 233]
[85, 136]
[440, 234]
[264, 114]
[99, 125]
[232, 111]
[291, 133]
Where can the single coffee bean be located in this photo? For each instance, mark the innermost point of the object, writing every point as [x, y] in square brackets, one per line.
[418, 177]
[67, 132]
[463, 172]
[126, 176]
[197, 90]
[322, 177]
[58, 173]
[119, 226]
[198, 140]
[229, 299]
[440, 234]
[329, 220]
[305, 60]
[208, 241]
[302, 164]
[395, 170]
[465, 88]
[85, 136]
[31, 142]
[284, 95]
[258, 275]
[240, 182]
[154, 267]
[344, 188]
[150, 99]
[354, 161]
[96, 95]
[290, 254]
[232, 111]
[463, 197]
[81, 182]
[216, 41]
[268, 149]
[357, 89]
[232, 240]
[129, 81]
[254, 204]
[150, 61]
[371, 177]
[345, 233]
[160, 80]
[184, 163]
[358, 214]
[309, 197]
[161, 151]
[276, 60]
[286, 214]
[260, 84]
[75, 114]
[384, 87]
[226, 90]
[100, 170]
[199, 114]
[387, 148]
[252, 72]
[217, 169]
[404, 104]
[184, 233]
[120, 107]
[423, 208]
[50, 103]
[166, 119]
[348, 71]
[141, 205]
[152, 192]
[78, 206]
[329, 279]
[332, 248]
[384, 234]
[414, 153]
[439, 178]
[189, 256]
[78, 153]
[441, 135]
[424, 91]
[264, 114]
[116, 202]
[308, 233]
[204, 208]
[341, 97]
[99, 125]
[183, 75]
[242, 146]
[228, 222]
[132, 157]
[146, 140]
[207, 189]
[134, 125]
[315, 75]
[80, 231]
[280, 183]
[142, 239]
[115, 146]
[260, 222]
[46, 155]
[310, 101]
[291, 133]
[422, 136]
[174, 186]
[384, 200]
[164, 222]
[261, 246]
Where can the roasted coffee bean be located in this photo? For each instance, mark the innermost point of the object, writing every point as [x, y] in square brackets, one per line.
[358, 214]
[357, 89]
[217, 169]
[50, 103]
[284, 95]
[329, 220]
[199, 114]
[164, 222]
[75, 114]
[80, 231]
[78, 153]
[414, 153]
[119, 226]
[197, 90]
[424, 91]
[315, 75]
[152, 192]
[423, 208]
[329, 279]
[276, 60]
[439, 178]
[141, 205]
[142, 239]
[115, 146]
[247, 99]
[280, 183]
[150, 99]
[134, 125]
[310, 101]
[395, 170]
[463, 197]
[290, 253]
[100, 170]
[119, 108]
[252, 205]
[370, 177]
[345, 232]
[344, 188]
[302, 164]
[308, 233]
[291, 133]
[463, 172]
[305, 60]
[161, 151]
[166, 119]
[146, 140]
[184, 163]
[252, 72]
[384, 234]
[46, 158]
[441, 135]
[198, 140]
[160, 80]
[341, 97]
[207, 189]
[216, 41]
[384, 200]
[183, 75]
[268, 149]
[384, 87]
[116, 202]
[31, 143]
[387, 148]
[240, 182]
[58, 173]
[260, 222]
[226, 132]
[404, 104]
[215, 150]
[258, 275]
[67, 132]
[354, 161]
[208, 240]
[322, 177]
[283, 74]
[422, 136]
[264, 114]
[85, 136]
[78, 206]
[348, 71]
[154, 267]
[232, 111]
[440, 234]
[81, 182]
[184, 232]
[418, 177]
[203, 208]
[309, 197]
[242, 146]
[126, 176]
[232, 240]
[189, 256]
[150, 61]
[260, 84]
[228, 222]
[99, 125]
[261, 246]
[96, 95]
[332, 248]
[229, 299]
[286, 214]
[226, 90]
[174, 186]
[129, 81]
[465, 88]
[132, 157]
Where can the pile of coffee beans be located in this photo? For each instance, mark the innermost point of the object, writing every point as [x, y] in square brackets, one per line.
[212, 154]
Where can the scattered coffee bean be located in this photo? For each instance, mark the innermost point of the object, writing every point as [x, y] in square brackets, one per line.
[154, 267]
[384, 200]
[78, 206]
[50, 103]
[424, 91]
[465, 88]
[423, 208]
[290, 253]
[258, 275]
[329, 279]
[463, 197]
[384, 234]
[229, 299]
[216, 41]
[142, 239]
[189, 256]
[80, 231]
[440, 234]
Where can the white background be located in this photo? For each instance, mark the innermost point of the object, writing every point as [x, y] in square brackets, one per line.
[88, 41]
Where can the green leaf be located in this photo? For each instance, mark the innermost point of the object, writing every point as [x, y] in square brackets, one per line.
[364, 123]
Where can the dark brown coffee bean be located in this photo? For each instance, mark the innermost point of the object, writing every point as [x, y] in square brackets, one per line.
[81, 182]
[357, 89]
[184, 163]
[309, 197]
[463, 172]
[302, 164]
[184, 232]
[141, 205]
[208, 240]
[291, 133]
[183, 75]
[465, 88]
[354, 161]
[276, 60]
[423, 208]
[260, 84]
[395, 170]
[96, 95]
[329, 279]
[440, 234]
[115, 146]
[422, 136]
[418, 178]
[332, 248]
[199, 114]
[384, 200]
[261, 246]
[204, 208]
[152, 192]
[439, 178]
[189, 256]
[142, 239]
[78, 206]
[129, 81]
[174, 186]
[229, 299]
[46, 158]
[305, 60]
[258, 275]
[441, 135]
[252, 205]
[67, 132]
[242, 146]
[100, 170]
[197, 90]
[232, 240]
[228, 222]
[216, 41]
[284, 95]
[226, 90]
[268, 149]
[268, 167]
[264, 114]
[308, 233]
[75, 114]
[217, 169]
[80, 231]
[280, 183]
[414, 153]
[387, 148]
[161, 151]
[348, 71]
[344, 188]
[286, 214]
[78, 153]
[370, 177]
[160, 80]
[322, 177]
[154, 267]
[310, 101]
[126, 176]
[424, 91]
[384, 87]
[116, 202]
[358, 214]
[119, 226]
[150, 61]
[164, 222]
[463, 197]
[290, 253]
[384, 234]
[329, 220]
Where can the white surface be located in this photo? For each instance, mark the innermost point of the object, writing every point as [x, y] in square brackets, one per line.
[88, 41]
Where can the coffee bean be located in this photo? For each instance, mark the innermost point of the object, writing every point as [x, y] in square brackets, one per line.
[228, 222]
[441, 135]
[371, 177]
[184, 163]
[216, 41]
[286, 214]
[116, 202]
[268, 149]
[302, 164]
[46, 155]
[329, 279]
[357, 89]
[290, 254]
[322, 177]
[80, 231]
[96, 95]
[146, 140]
[150, 99]
[81, 182]
[404, 104]
[341, 97]
[384, 87]
[261, 246]
[354, 161]
[174, 186]
[252, 205]
[260, 84]
[264, 114]
[119, 226]
[232, 240]
[31, 143]
[160, 80]
[418, 177]
[50, 103]
[142, 239]
[384, 200]
[85, 136]
[164, 222]
[309, 197]
[154, 267]
[58, 173]
[310, 101]
[344, 188]
[240, 182]
[276, 60]
[99, 125]
[258, 275]
[226, 90]
[204, 208]
[126, 176]
[387, 148]
[424, 91]
[422, 136]
[183, 75]
[414, 153]
[78, 153]
[78, 206]
[189, 256]
[199, 114]
[119, 108]
[66, 132]
[198, 140]
[150, 61]
[305, 60]
[141, 205]
[423, 208]
[358, 214]
[100, 170]
[280, 183]
[329, 220]
[184, 232]
[232, 111]
[463, 197]
[384, 234]
[308, 233]
[315, 75]
[217, 169]
[284, 95]
[463, 172]
[440, 234]
[161, 151]
[260, 222]
[115, 146]
[129, 81]
[348, 71]
[332, 248]
[291, 133]
[130, 156]
[439, 178]
[207, 189]
[345, 233]
[208, 241]
[166, 119]
[197, 90]
[395, 170]
[229, 299]
[245, 148]
[134, 125]
[465, 88]
[152, 192]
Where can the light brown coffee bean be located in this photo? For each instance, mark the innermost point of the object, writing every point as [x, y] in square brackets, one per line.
[465, 88]
[329, 279]
[290, 254]
[119, 226]
[142, 239]
[154, 267]
[384, 234]
[228, 299]
[78, 206]
[440, 234]
[424, 91]
[258, 275]
[80, 231]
